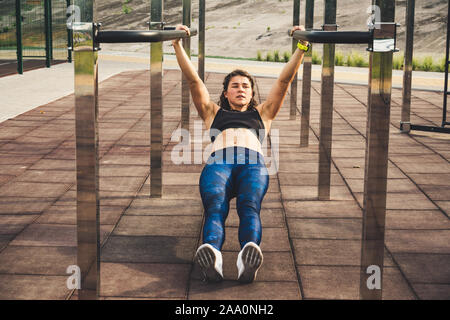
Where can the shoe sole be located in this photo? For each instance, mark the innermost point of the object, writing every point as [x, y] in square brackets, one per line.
[206, 260]
[252, 260]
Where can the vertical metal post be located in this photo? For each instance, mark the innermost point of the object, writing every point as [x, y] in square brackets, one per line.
[50, 30]
[377, 143]
[156, 111]
[69, 36]
[405, 123]
[19, 37]
[296, 22]
[86, 115]
[306, 82]
[185, 97]
[447, 57]
[201, 40]
[326, 100]
[47, 24]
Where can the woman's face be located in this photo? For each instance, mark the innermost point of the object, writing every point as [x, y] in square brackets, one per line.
[239, 92]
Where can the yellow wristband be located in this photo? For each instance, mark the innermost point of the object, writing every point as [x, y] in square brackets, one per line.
[302, 46]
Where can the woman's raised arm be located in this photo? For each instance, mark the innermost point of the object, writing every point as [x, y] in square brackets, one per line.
[200, 95]
[272, 105]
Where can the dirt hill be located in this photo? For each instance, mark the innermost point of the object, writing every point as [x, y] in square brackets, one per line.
[239, 28]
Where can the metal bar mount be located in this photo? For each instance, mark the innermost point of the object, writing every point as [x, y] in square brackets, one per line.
[319, 36]
[129, 36]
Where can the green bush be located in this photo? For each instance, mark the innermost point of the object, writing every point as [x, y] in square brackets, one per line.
[339, 59]
[286, 56]
[126, 9]
[427, 64]
[276, 56]
[269, 56]
[440, 67]
[315, 59]
[259, 55]
[415, 64]
[355, 59]
[398, 61]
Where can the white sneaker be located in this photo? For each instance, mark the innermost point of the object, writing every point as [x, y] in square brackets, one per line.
[248, 262]
[210, 261]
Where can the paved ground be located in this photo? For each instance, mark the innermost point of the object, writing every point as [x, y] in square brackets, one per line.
[311, 248]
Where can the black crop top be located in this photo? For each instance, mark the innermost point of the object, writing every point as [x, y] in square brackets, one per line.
[249, 119]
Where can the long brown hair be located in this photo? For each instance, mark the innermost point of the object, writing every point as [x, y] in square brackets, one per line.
[223, 102]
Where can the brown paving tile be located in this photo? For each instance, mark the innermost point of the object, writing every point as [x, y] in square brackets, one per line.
[52, 235]
[37, 260]
[425, 268]
[13, 224]
[269, 218]
[149, 249]
[311, 193]
[395, 286]
[437, 192]
[4, 240]
[233, 290]
[441, 179]
[306, 179]
[416, 219]
[22, 205]
[418, 241]
[33, 287]
[120, 183]
[404, 201]
[320, 282]
[437, 166]
[144, 280]
[445, 206]
[322, 209]
[327, 252]
[187, 226]
[50, 164]
[273, 239]
[349, 229]
[124, 170]
[33, 189]
[432, 291]
[54, 176]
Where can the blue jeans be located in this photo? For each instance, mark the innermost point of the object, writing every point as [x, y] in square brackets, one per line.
[233, 172]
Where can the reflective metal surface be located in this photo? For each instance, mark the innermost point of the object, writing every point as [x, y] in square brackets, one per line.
[156, 111]
[375, 179]
[185, 96]
[294, 84]
[86, 112]
[306, 82]
[201, 40]
[407, 68]
[326, 105]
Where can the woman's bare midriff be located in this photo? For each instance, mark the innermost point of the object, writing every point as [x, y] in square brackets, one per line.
[237, 137]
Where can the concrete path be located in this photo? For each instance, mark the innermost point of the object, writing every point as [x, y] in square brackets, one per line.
[311, 248]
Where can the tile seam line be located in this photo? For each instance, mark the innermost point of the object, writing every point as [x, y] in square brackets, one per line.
[351, 191]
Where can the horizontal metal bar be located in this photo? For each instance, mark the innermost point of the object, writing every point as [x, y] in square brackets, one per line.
[129, 36]
[333, 36]
[430, 129]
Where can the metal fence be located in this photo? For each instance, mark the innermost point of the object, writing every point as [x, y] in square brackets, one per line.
[33, 33]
